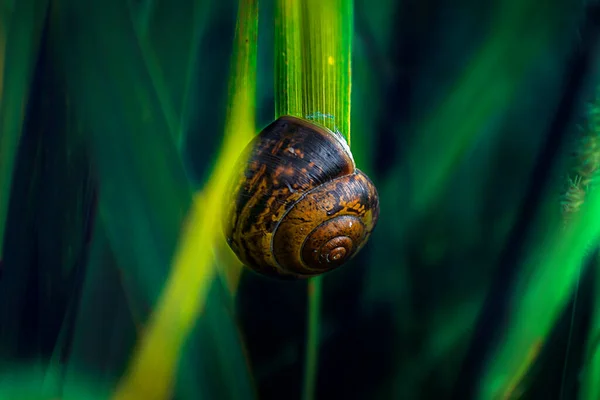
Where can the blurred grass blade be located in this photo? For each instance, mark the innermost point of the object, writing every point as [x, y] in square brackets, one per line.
[520, 32]
[216, 337]
[105, 323]
[144, 192]
[552, 270]
[27, 384]
[553, 280]
[313, 80]
[588, 171]
[152, 371]
[19, 267]
[590, 385]
[172, 36]
[61, 203]
[158, 80]
[20, 35]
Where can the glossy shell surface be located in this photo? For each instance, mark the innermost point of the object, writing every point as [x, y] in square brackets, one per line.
[299, 207]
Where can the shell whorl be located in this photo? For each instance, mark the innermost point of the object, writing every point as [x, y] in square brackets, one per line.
[300, 207]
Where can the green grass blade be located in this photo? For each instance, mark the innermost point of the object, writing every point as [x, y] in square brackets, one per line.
[288, 59]
[59, 200]
[152, 369]
[582, 179]
[19, 42]
[216, 337]
[144, 193]
[169, 37]
[590, 386]
[313, 42]
[159, 82]
[520, 32]
[106, 322]
[16, 284]
[174, 33]
[28, 385]
[311, 361]
[552, 269]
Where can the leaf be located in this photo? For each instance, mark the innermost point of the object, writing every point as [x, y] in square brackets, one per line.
[20, 35]
[151, 373]
[313, 80]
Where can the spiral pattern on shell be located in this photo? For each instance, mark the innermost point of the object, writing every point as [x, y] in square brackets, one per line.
[299, 207]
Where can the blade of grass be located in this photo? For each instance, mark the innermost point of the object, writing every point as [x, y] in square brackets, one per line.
[200, 14]
[551, 270]
[152, 369]
[581, 179]
[288, 59]
[144, 192]
[158, 81]
[27, 384]
[16, 287]
[553, 280]
[103, 329]
[19, 43]
[173, 36]
[169, 38]
[312, 63]
[213, 337]
[521, 30]
[145, 11]
[311, 361]
[313, 80]
[590, 386]
[584, 177]
[20, 155]
[65, 193]
[6, 9]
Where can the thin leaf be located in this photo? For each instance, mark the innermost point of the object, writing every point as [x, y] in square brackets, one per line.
[152, 370]
[313, 80]
[19, 42]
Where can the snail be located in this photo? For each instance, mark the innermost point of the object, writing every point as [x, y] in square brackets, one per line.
[299, 206]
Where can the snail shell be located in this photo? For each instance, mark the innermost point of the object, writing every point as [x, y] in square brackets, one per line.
[300, 207]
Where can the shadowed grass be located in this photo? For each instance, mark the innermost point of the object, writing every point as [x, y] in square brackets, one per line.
[19, 43]
[551, 269]
[311, 361]
[520, 31]
[153, 367]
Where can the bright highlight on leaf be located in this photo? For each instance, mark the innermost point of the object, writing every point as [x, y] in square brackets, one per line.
[313, 42]
[152, 372]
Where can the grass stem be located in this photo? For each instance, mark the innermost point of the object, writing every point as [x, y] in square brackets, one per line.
[312, 338]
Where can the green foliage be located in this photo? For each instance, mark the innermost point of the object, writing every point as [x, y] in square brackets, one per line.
[120, 123]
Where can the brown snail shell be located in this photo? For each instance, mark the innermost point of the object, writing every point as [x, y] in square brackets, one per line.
[300, 207]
